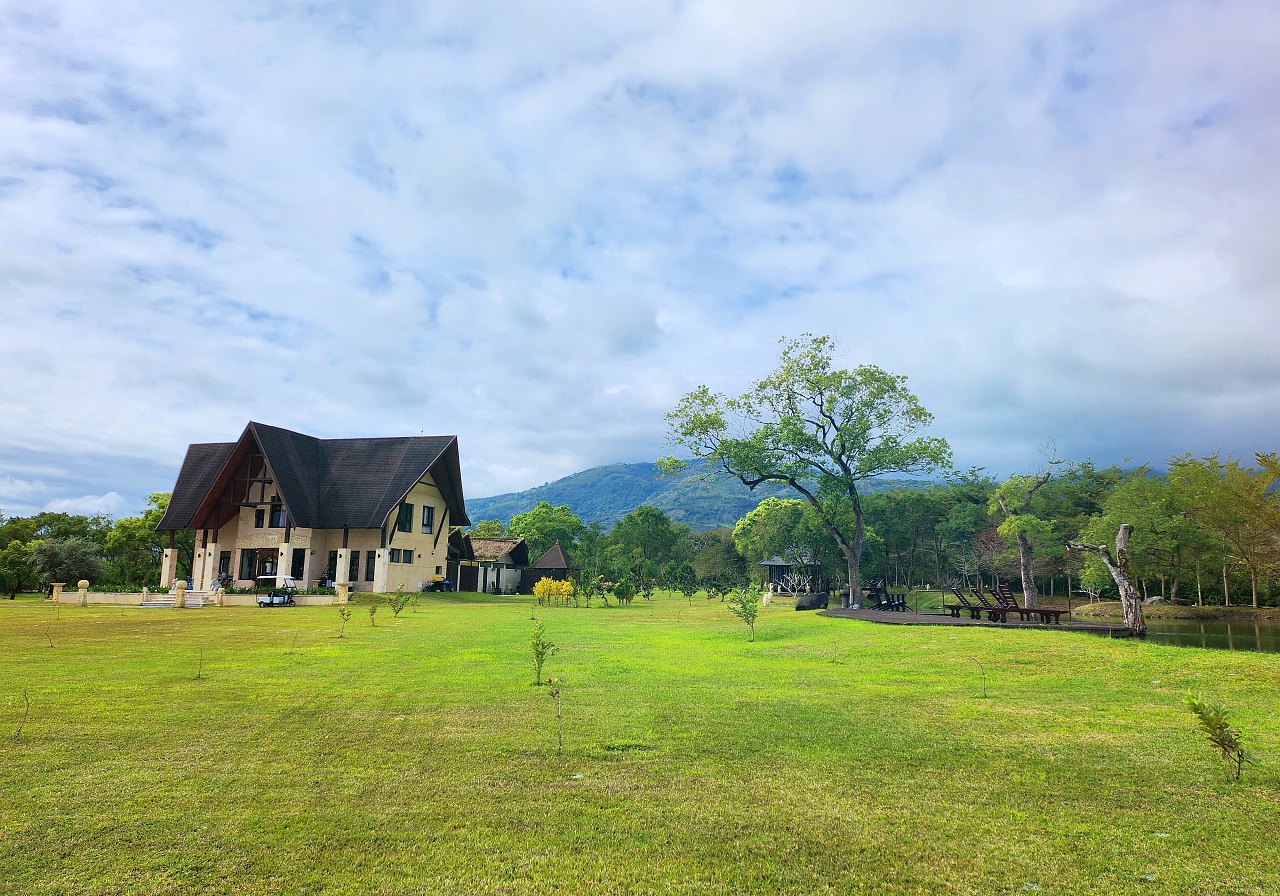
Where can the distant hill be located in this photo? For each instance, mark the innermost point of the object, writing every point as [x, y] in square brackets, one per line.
[606, 494]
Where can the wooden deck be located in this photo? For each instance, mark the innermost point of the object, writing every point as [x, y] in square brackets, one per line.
[889, 617]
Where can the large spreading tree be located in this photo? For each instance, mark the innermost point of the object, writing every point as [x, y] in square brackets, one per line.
[817, 429]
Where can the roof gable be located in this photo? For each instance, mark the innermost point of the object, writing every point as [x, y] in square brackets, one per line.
[323, 483]
[554, 558]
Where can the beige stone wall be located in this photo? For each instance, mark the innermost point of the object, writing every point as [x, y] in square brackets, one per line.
[429, 552]
[73, 597]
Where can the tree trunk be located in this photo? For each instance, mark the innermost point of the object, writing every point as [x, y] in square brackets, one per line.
[1029, 593]
[1226, 588]
[1121, 569]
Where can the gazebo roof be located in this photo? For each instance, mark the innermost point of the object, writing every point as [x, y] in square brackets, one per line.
[554, 558]
[805, 559]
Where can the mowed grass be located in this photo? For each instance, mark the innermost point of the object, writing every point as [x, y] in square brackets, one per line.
[829, 756]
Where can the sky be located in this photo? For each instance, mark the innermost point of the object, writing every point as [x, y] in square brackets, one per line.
[537, 225]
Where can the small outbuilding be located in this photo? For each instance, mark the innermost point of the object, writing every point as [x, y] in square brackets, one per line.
[555, 563]
[500, 563]
[797, 575]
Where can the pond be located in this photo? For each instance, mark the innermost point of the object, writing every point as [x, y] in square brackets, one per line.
[1239, 634]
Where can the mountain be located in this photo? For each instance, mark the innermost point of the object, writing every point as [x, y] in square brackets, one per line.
[606, 494]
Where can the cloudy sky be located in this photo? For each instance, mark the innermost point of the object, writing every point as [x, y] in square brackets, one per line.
[538, 225]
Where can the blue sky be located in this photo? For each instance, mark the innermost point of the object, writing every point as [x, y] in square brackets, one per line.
[536, 227]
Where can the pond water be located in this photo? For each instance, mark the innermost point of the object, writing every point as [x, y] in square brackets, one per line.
[1239, 634]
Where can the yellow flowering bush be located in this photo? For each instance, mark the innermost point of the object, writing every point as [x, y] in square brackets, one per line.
[549, 591]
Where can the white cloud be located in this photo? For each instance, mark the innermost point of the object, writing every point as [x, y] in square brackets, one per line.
[536, 230]
[111, 504]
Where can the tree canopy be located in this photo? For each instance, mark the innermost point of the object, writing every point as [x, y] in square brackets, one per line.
[817, 429]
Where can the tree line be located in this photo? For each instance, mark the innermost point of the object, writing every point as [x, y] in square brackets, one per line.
[823, 432]
[1206, 531]
[123, 554]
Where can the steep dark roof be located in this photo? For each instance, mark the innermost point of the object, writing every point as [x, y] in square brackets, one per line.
[323, 483]
[554, 558]
[199, 468]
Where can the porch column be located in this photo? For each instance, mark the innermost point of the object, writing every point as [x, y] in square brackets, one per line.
[381, 565]
[211, 558]
[168, 567]
[285, 566]
[308, 565]
[342, 575]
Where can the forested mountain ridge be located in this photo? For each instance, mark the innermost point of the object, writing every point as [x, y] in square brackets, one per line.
[606, 494]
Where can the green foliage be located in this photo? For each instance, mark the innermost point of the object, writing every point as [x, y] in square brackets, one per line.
[344, 613]
[398, 601]
[544, 525]
[791, 529]
[624, 590]
[714, 557]
[67, 559]
[1237, 507]
[542, 648]
[818, 430]
[373, 614]
[133, 548]
[745, 604]
[1213, 721]
[17, 568]
[697, 496]
[488, 529]
[682, 578]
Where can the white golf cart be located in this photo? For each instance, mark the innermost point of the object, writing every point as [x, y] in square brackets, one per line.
[276, 591]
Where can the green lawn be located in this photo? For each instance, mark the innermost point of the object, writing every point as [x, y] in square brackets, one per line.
[829, 756]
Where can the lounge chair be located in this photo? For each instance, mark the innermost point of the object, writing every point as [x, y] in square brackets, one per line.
[964, 606]
[1047, 615]
[1025, 614]
[884, 602]
[995, 612]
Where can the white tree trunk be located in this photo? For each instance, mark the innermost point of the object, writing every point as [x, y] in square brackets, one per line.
[1121, 569]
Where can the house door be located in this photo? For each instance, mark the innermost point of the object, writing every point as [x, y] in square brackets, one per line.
[468, 578]
[299, 563]
[267, 558]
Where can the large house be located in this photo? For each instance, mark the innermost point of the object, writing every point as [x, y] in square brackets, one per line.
[372, 514]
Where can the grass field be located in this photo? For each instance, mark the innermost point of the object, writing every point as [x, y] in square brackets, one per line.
[240, 750]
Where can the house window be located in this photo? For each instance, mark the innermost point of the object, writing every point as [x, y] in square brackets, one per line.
[437, 570]
[331, 571]
[353, 568]
[224, 563]
[428, 519]
[248, 563]
[404, 522]
[259, 518]
[279, 519]
[298, 562]
[395, 555]
[369, 557]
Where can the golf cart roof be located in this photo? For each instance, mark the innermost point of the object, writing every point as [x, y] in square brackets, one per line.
[278, 580]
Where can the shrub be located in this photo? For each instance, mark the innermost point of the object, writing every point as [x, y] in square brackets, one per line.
[624, 591]
[745, 604]
[399, 600]
[551, 591]
[542, 648]
[1214, 723]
